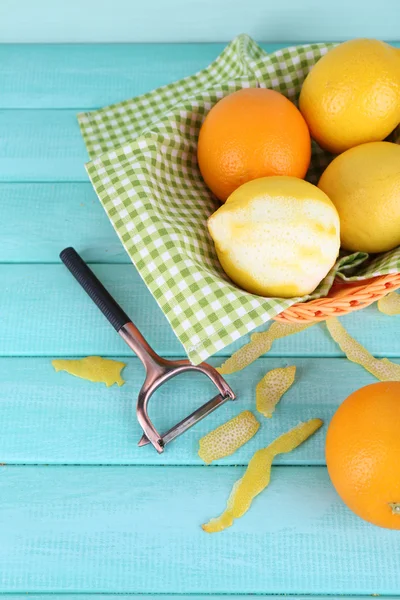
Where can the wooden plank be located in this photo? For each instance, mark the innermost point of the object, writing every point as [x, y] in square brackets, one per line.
[49, 418]
[47, 313]
[71, 76]
[51, 216]
[41, 145]
[179, 21]
[135, 529]
[176, 597]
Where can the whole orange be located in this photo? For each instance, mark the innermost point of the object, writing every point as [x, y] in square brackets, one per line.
[249, 134]
[363, 453]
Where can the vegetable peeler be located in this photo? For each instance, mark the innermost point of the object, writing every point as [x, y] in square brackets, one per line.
[158, 370]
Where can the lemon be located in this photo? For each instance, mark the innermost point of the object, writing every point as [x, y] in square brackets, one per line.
[276, 236]
[352, 95]
[364, 185]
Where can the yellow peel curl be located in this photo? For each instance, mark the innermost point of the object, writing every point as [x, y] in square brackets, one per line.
[93, 368]
[258, 473]
[260, 344]
[383, 369]
[390, 304]
[272, 387]
[229, 437]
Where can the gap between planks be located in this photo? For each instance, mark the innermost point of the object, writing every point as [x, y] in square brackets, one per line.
[54, 418]
[66, 322]
[111, 529]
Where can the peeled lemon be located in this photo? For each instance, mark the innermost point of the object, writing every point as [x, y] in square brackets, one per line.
[276, 236]
[352, 95]
[364, 185]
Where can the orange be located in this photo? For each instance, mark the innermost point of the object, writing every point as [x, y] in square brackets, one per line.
[250, 134]
[363, 453]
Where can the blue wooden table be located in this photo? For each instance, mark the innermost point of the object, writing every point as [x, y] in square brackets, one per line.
[83, 510]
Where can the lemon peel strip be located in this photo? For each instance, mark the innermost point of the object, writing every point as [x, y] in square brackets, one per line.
[92, 368]
[229, 437]
[390, 304]
[383, 369]
[260, 344]
[258, 474]
[272, 387]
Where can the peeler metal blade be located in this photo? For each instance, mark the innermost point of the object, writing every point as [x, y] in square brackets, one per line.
[158, 369]
[189, 421]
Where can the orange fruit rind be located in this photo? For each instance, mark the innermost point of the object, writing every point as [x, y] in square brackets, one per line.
[229, 437]
[362, 453]
[252, 133]
[272, 387]
[258, 474]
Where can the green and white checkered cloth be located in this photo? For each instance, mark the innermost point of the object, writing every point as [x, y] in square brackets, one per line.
[145, 173]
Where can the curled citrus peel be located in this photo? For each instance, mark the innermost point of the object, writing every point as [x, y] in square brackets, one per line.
[383, 369]
[229, 437]
[272, 387]
[260, 344]
[92, 368]
[390, 304]
[258, 474]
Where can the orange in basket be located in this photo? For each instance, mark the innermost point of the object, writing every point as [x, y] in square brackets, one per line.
[252, 133]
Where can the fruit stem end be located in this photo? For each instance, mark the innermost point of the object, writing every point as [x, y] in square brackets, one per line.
[395, 506]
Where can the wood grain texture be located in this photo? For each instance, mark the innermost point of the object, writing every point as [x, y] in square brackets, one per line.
[51, 216]
[135, 529]
[45, 145]
[78, 422]
[176, 597]
[68, 76]
[205, 21]
[41, 145]
[45, 312]
[86, 529]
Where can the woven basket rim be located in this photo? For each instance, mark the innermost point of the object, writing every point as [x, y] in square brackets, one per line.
[343, 298]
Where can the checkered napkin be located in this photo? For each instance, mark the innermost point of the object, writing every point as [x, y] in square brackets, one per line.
[145, 173]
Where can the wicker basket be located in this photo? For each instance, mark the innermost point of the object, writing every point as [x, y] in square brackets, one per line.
[343, 298]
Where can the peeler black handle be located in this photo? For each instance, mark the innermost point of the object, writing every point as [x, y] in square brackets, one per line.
[94, 288]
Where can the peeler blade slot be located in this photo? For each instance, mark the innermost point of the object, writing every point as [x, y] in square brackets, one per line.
[191, 420]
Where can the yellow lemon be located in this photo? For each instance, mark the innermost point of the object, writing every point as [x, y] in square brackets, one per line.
[352, 95]
[364, 185]
[276, 236]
